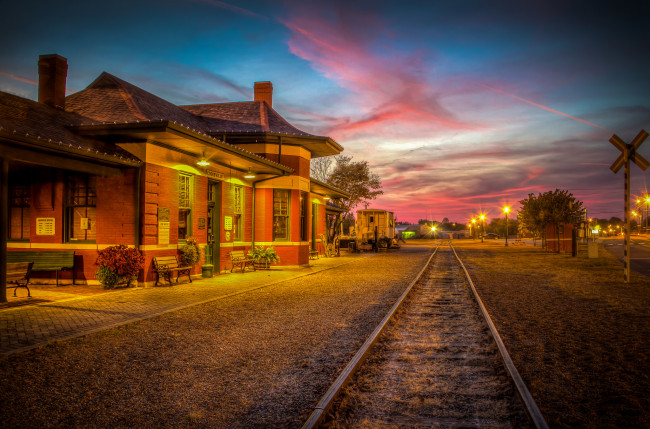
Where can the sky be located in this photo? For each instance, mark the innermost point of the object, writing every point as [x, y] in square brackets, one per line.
[461, 107]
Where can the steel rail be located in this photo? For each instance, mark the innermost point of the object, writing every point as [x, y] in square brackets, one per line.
[325, 404]
[529, 403]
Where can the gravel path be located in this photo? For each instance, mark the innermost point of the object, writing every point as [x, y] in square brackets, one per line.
[436, 365]
[259, 359]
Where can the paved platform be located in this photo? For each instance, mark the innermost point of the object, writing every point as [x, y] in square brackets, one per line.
[58, 314]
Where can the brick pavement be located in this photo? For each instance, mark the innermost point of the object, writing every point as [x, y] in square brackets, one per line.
[25, 328]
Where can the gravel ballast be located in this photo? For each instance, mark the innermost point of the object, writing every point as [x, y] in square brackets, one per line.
[259, 359]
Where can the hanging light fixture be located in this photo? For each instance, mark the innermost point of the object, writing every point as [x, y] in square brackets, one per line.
[203, 162]
[250, 174]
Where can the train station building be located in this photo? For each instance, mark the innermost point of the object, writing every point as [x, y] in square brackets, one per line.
[115, 164]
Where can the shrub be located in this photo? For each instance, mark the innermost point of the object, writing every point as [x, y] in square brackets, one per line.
[269, 255]
[118, 263]
[190, 253]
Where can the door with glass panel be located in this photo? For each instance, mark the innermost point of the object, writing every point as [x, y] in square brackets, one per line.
[213, 228]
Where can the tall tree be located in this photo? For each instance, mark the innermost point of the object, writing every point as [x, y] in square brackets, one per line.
[552, 207]
[353, 177]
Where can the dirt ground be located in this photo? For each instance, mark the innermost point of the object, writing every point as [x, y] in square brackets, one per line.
[579, 336]
[255, 360]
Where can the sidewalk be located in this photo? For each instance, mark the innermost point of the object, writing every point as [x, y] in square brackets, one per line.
[56, 314]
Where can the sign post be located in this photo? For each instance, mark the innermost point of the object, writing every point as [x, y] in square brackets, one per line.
[628, 153]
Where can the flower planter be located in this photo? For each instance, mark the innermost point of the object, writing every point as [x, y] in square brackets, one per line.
[261, 264]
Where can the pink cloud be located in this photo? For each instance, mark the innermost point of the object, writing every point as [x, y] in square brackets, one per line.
[18, 78]
[389, 86]
[28, 81]
[532, 103]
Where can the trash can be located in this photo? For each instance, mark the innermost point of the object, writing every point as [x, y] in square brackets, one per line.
[207, 270]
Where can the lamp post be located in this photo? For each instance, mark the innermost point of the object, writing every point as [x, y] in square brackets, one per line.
[474, 224]
[483, 223]
[506, 210]
[647, 202]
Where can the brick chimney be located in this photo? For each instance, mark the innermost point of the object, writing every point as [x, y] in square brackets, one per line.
[264, 92]
[52, 72]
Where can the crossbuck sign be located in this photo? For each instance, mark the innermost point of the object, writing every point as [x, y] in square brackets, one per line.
[628, 153]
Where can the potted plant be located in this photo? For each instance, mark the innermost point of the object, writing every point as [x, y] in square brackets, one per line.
[263, 257]
[190, 253]
[118, 265]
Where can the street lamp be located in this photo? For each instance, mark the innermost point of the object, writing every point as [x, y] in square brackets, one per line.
[474, 223]
[647, 202]
[506, 210]
[483, 223]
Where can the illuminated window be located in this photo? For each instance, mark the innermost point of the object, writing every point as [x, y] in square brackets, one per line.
[184, 206]
[237, 224]
[81, 207]
[19, 203]
[303, 216]
[280, 214]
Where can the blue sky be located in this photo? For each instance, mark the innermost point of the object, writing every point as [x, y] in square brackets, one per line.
[461, 107]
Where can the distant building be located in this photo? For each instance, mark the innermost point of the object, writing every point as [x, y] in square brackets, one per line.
[115, 164]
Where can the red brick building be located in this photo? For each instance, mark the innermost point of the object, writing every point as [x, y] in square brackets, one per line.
[115, 164]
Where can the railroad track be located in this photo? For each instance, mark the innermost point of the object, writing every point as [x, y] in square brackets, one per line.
[436, 360]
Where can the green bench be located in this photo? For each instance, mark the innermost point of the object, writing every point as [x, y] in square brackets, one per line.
[46, 260]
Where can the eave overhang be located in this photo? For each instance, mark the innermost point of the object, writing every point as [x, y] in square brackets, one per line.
[27, 148]
[318, 146]
[177, 137]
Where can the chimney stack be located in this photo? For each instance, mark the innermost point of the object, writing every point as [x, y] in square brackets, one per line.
[52, 73]
[264, 92]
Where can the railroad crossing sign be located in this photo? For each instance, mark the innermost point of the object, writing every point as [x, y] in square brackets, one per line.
[628, 153]
[631, 151]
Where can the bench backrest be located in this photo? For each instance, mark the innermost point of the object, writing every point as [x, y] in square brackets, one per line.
[18, 270]
[237, 254]
[44, 260]
[168, 261]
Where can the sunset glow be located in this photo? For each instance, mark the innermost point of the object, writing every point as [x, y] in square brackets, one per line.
[459, 108]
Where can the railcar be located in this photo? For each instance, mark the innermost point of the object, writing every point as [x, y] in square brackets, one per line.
[375, 228]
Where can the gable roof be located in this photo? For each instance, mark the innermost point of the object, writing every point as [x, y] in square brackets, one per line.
[27, 123]
[243, 117]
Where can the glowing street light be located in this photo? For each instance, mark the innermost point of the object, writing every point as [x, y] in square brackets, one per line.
[483, 223]
[506, 209]
[474, 223]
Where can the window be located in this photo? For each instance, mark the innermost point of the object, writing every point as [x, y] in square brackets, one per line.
[19, 203]
[184, 206]
[303, 216]
[238, 204]
[280, 214]
[81, 207]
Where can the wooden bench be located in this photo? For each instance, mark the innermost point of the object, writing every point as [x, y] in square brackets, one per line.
[46, 260]
[18, 274]
[238, 259]
[167, 265]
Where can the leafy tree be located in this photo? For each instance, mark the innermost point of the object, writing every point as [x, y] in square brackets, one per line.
[353, 177]
[552, 207]
[498, 226]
